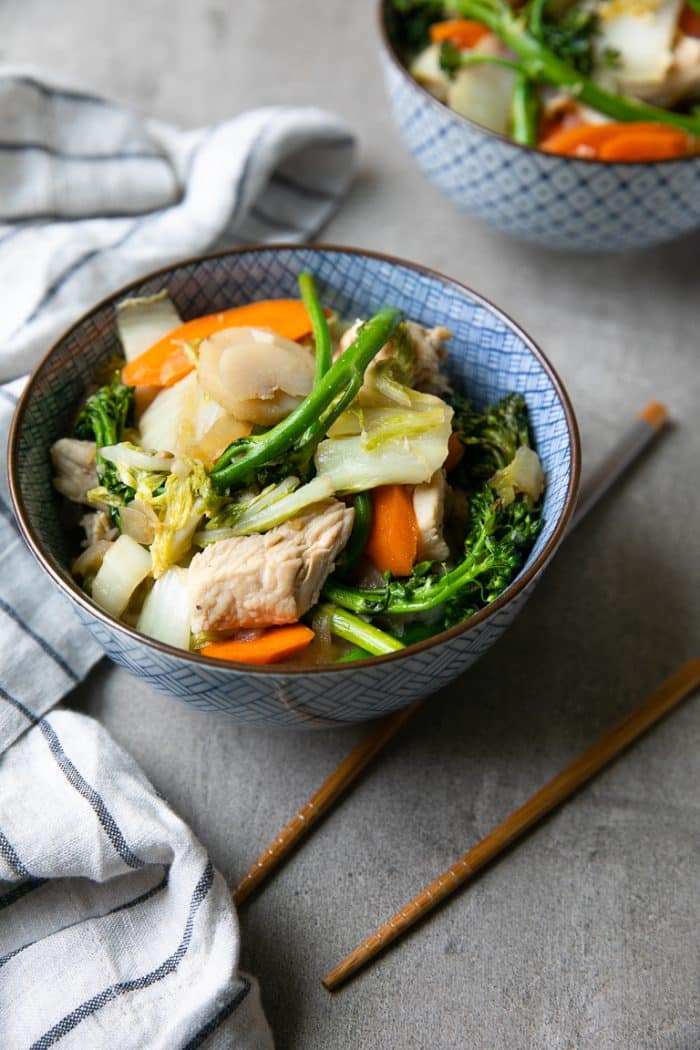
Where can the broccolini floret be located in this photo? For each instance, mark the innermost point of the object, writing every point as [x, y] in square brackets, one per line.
[496, 545]
[103, 419]
[492, 437]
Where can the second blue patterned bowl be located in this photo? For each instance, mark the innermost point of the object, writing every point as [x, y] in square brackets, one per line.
[488, 356]
[561, 202]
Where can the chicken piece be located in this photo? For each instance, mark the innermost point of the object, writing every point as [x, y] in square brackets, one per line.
[75, 463]
[348, 337]
[268, 578]
[429, 508]
[428, 353]
[98, 526]
[682, 79]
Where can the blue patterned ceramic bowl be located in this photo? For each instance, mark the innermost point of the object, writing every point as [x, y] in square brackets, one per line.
[562, 202]
[489, 356]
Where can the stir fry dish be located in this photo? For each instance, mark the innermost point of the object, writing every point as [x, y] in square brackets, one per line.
[269, 484]
[608, 80]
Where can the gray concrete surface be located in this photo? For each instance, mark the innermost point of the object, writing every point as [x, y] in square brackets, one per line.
[586, 935]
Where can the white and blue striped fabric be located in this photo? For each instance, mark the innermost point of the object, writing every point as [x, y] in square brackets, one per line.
[115, 930]
[92, 196]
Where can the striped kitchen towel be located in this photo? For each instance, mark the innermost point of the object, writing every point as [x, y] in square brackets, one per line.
[115, 930]
[92, 196]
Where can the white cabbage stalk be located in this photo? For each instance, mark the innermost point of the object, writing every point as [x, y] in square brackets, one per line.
[165, 615]
[272, 507]
[642, 33]
[144, 321]
[188, 422]
[256, 375]
[180, 507]
[523, 474]
[425, 68]
[123, 568]
[386, 444]
[133, 458]
[483, 93]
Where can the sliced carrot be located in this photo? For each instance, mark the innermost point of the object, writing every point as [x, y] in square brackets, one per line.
[462, 32]
[455, 451]
[393, 539]
[644, 146]
[277, 643]
[689, 22]
[166, 362]
[594, 140]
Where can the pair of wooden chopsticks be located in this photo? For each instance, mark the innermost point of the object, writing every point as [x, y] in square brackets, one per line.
[642, 717]
[649, 422]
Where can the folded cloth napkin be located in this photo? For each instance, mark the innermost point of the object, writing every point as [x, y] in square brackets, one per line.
[115, 930]
[93, 195]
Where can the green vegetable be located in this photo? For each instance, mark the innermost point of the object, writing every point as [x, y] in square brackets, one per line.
[103, 419]
[524, 111]
[535, 16]
[571, 36]
[362, 526]
[293, 441]
[409, 21]
[560, 56]
[322, 337]
[273, 506]
[180, 504]
[378, 441]
[491, 437]
[365, 635]
[354, 654]
[539, 62]
[452, 60]
[105, 414]
[496, 545]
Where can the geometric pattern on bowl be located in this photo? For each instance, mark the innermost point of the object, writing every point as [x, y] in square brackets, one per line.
[488, 356]
[556, 201]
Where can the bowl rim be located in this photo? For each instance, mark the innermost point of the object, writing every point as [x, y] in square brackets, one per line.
[472, 125]
[68, 585]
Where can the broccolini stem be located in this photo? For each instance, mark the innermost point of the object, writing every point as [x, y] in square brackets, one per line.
[524, 111]
[311, 419]
[539, 63]
[362, 502]
[536, 17]
[322, 337]
[476, 59]
[365, 635]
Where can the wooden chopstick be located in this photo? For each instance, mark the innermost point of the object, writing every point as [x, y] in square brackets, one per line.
[649, 422]
[641, 718]
[646, 426]
[349, 769]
